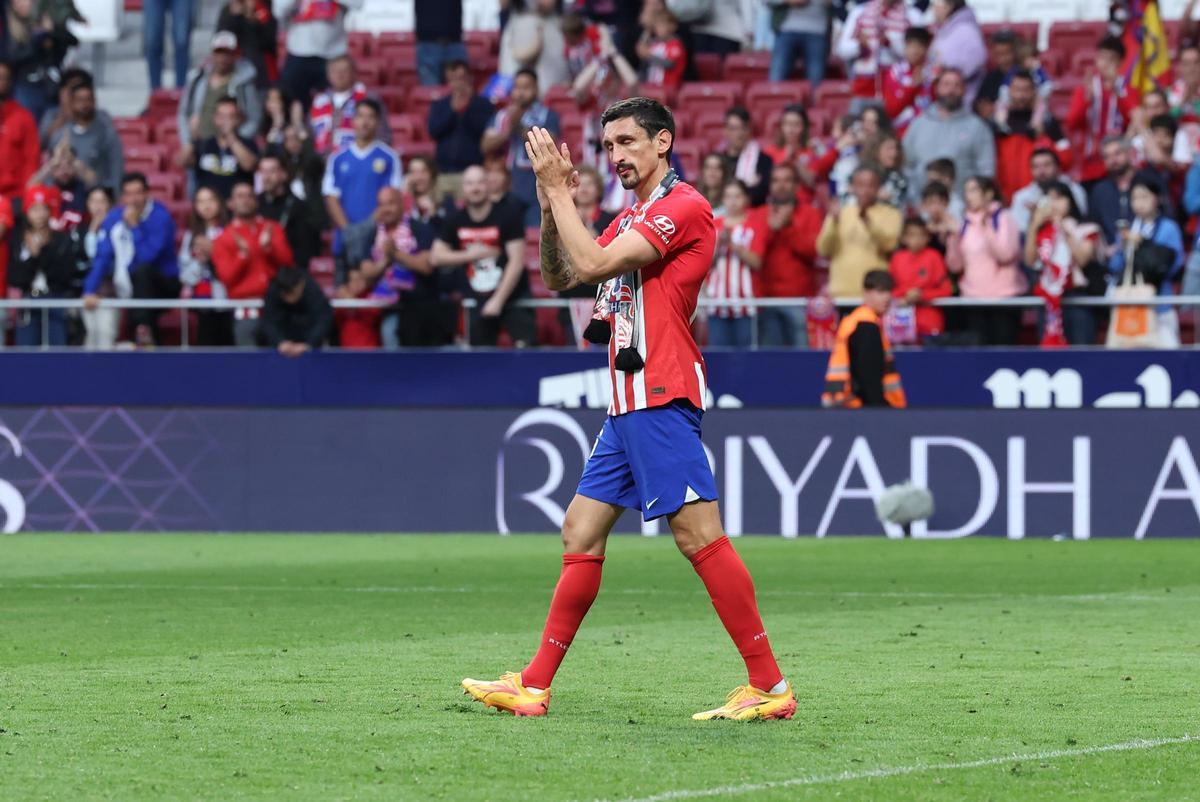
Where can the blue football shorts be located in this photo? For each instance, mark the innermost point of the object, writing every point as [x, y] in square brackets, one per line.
[650, 460]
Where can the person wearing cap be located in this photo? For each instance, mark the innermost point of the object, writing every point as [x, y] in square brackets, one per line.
[225, 74]
[41, 265]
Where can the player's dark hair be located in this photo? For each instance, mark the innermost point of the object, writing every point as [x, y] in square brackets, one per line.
[944, 167]
[372, 104]
[919, 35]
[739, 112]
[936, 189]
[650, 115]
[528, 73]
[134, 178]
[1112, 44]
[879, 280]
[1164, 121]
[1051, 152]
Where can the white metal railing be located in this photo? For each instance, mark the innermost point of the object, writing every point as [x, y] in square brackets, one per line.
[225, 305]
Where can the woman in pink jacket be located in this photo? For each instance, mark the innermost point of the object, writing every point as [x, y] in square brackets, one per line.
[986, 258]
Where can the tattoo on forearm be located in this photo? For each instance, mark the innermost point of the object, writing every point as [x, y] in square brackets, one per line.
[557, 272]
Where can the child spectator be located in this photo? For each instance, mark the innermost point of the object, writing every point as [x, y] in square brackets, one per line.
[920, 274]
[944, 172]
[908, 84]
[741, 244]
[357, 328]
[935, 211]
[662, 52]
[1101, 107]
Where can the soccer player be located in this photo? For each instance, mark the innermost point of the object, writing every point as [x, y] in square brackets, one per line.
[650, 262]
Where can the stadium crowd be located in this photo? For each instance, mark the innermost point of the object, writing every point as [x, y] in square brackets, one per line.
[299, 162]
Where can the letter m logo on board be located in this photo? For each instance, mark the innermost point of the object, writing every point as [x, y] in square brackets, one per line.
[1036, 389]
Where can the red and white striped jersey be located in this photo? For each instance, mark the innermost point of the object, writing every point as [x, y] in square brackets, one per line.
[731, 279]
[659, 302]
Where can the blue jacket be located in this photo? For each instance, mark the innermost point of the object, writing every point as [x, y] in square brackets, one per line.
[153, 244]
[1166, 232]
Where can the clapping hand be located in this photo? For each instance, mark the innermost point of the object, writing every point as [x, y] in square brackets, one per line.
[551, 164]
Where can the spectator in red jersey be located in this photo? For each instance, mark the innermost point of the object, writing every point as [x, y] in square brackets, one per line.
[1062, 248]
[19, 151]
[357, 329]
[661, 51]
[208, 219]
[316, 32]
[714, 175]
[908, 84]
[986, 256]
[247, 255]
[1025, 127]
[533, 40]
[795, 145]
[6, 225]
[788, 270]
[332, 115]
[921, 276]
[257, 32]
[741, 245]
[1045, 171]
[746, 158]
[1101, 107]
[871, 41]
[42, 265]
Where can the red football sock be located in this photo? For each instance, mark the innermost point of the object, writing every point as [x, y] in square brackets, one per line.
[732, 592]
[573, 596]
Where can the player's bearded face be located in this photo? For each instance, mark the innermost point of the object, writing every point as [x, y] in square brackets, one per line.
[632, 152]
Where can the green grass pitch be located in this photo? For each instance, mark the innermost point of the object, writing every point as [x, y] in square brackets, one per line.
[327, 667]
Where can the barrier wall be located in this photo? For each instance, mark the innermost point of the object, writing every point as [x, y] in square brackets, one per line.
[1083, 473]
[934, 379]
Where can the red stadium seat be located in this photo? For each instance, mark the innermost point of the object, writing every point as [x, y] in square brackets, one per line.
[560, 100]
[146, 158]
[360, 43]
[710, 96]
[406, 127]
[820, 121]
[372, 71]
[396, 37]
[163, 103]
[767, 96]
[133, 130]
[691, 153]
[477, 39]
[181, 212]
[749, 67]
[1083, 62]
[393, 98]
[422, 148]
[1054, 63]
[833, 97]
[1060, 96]
[663, 94]
[166, 186]
[1071, 37]
[708, 66]
[393, 52]
[708, 128]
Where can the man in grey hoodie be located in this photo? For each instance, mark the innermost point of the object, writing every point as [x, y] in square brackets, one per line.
[947, 129]
[91, 136]
[223, 75]
[316, 32]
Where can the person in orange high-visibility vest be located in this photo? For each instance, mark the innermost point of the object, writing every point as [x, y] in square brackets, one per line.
[862, 371]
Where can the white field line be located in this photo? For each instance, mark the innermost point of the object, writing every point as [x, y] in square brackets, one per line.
[849, 594]
[897, 771]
